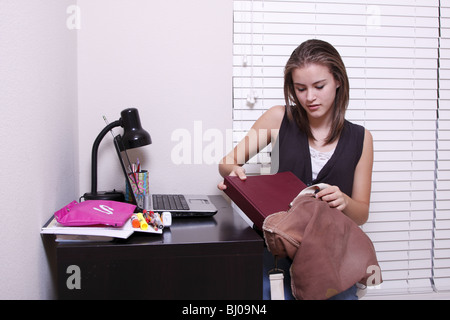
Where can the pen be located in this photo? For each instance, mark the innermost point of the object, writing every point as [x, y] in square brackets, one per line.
[107, 122]
[152, 219]
[158, 221]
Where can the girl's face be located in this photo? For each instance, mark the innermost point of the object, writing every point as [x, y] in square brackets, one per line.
[315, 88]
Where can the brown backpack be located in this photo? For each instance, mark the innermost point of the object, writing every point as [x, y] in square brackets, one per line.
[329, 252]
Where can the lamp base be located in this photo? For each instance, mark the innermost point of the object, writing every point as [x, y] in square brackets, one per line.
[105, 195]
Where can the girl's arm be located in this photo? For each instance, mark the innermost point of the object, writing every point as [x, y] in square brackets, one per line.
[264, 131]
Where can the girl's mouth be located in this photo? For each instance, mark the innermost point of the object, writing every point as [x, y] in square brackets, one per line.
[313, 107]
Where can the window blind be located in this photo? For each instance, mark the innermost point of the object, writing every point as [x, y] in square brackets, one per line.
[441, 262]
[393, 51]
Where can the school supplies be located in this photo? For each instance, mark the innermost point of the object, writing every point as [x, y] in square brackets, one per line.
[95, 212]
[152, 219]
[106, 232]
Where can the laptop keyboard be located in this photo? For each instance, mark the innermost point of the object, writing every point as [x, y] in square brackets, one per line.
[169, 202]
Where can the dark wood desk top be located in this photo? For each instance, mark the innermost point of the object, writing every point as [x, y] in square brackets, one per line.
[225, 226]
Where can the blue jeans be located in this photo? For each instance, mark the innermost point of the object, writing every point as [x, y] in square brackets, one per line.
[285, 264]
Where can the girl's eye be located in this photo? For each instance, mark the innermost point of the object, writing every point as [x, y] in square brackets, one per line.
[303, 89]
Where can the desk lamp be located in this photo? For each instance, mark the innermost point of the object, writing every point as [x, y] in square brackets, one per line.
[133, 137]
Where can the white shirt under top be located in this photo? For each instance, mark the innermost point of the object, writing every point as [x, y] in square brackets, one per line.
[318, 160]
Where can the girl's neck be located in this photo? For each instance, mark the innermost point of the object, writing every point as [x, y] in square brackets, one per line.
[320, 130]
[320, 127]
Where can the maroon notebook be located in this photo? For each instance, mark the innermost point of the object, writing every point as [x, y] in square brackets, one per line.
[260, 196]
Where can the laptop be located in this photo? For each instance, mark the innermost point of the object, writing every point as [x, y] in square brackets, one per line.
[180, 205]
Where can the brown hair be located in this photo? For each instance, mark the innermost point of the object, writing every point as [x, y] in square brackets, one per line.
[317, 52]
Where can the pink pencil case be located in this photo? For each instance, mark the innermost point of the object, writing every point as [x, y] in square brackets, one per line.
[95, 212]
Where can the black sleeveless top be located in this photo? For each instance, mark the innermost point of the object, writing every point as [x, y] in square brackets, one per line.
[293, 155]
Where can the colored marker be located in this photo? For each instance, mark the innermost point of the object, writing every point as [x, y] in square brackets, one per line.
[143, 223]
[135, 221]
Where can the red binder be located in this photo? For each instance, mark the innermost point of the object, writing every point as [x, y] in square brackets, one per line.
[260, 196]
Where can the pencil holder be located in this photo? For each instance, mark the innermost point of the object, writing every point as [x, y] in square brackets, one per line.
[139, 186]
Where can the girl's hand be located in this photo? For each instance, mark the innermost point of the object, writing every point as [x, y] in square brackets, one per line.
[334, 197]
[237, 171]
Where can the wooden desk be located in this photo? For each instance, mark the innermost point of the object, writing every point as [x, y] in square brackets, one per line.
[197, 258]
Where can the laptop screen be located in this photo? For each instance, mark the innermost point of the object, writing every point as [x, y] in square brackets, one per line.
[134, 192]
[137, 191]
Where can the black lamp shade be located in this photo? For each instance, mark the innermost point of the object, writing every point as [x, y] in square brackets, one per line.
[133, 134]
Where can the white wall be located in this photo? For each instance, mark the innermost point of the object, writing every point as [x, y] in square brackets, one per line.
[38, 135]
[172, 59]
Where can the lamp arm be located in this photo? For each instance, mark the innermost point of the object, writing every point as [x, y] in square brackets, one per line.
[95, 146]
